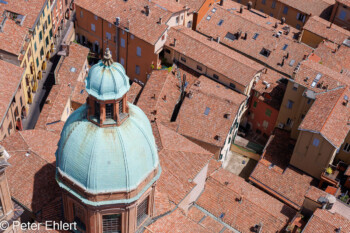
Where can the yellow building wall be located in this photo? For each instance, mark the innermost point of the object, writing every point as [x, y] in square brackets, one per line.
[301, 106]
[310, 158]
[311, 39]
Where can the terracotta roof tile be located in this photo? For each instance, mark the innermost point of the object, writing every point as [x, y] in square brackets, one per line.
[313, 7]
[202, 50]
[220, 200]
[273, 174]
[12, 36]
[202, 117]
[140, 25]
[50, 117]
[32, 176]
[328, 113]
[330, 79]
[79, 94]
[162, 203]
[324, 221]
[134, 93]
[264, 39]
[11, 77]
[180, 165]
[314, 193]
[326, 30]
[175, 222]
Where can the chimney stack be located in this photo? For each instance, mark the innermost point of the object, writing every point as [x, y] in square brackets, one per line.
[218, 39]
[174, 42]
[117, 21]
[249, 5]
[160, 20]
[241, 9]
[283, 20]
[221, 2]
[245, 36]
[147, 10]
[276, 25]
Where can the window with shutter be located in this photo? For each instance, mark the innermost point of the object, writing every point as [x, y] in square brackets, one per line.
[111, 223]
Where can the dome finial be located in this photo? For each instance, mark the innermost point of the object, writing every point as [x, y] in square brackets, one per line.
[107, 58]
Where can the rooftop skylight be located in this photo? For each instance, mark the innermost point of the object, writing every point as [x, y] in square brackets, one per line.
[206, 112]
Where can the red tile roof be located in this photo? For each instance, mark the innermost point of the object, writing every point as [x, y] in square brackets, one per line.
[50, 117]
[180, 165]
[334, 57]
[12, 36]
[11, 77]
[330, 79]
[207, 94]
[324, 221]
[160, 95]
[79, 94]
[175, 222]
[256, 207]
[199, 48]
[140, 25]
[273, 174]
[233, 23]
[134, 92]
[313, 7]
[314, 193]
[328, 113]
[31, 175]
[326, 30]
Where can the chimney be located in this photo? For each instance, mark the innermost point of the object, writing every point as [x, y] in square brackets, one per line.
[218, 39]
[174, 42]
[153, 96]
[147, 10]
[338, 230]
[282, 63]
[221, 2]
[245, 36]
[160, 20]
[241, 9]
[276, 25]
[239, 34]
[287, 55]
[283, 20]
[241, 199]
[164, 98]
[211, 38]
[249, 5]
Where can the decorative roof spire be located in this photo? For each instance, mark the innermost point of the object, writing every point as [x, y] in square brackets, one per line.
[107, 58]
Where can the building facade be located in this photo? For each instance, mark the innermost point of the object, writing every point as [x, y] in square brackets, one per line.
[341, 14]
[115, 193]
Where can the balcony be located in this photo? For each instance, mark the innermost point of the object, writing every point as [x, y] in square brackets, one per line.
[331, 176]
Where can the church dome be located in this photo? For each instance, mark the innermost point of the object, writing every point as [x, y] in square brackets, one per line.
[106, 80]
[107, 159]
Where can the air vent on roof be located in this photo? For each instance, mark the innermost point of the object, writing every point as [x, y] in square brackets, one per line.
[213, 10]
[217, 138]
[73, 69]
[208, 17]
[318, 77]
[265, 52]
[227, 116]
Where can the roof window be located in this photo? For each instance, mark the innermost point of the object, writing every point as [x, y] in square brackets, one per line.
[230, 36]
[208, 17]
[285, 46]
[220, 22]
[207, 110]
[255, 36]
[213, 10]
[318, 77]
[291, 63]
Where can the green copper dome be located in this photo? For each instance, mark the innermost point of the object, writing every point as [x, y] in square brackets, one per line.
[107, 159]
[107, 80]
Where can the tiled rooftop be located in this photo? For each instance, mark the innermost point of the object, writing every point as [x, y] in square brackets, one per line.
[334, 57]
[202, 50]
[261, 43]
[50, 117]
[11, 77]
[12, 36]
[176, 179]
[314, 193]
[31, 175]
[313, 7]
[328, 78]
[140, 25]
[327, 113]
[273, 174]
[221, 198]
[324, 221]
[79, 94]
[160, 95]
[202, 117]
[326, 29]
[134, 92]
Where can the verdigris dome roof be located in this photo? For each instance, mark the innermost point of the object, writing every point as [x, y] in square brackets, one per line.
[107, 81]
[107, 159]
